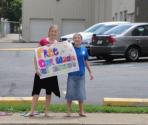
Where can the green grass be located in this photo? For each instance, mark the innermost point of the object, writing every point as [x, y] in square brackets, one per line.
[62, 108]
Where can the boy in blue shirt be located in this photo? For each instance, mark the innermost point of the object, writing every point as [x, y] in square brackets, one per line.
[76, 80]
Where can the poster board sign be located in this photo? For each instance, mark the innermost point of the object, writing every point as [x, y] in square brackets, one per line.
[56, 59]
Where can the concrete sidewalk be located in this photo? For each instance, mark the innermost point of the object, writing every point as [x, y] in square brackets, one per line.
[9, 38]
[91, 119]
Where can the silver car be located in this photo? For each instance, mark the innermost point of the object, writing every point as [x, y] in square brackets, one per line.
[127, 40]
[98, 28]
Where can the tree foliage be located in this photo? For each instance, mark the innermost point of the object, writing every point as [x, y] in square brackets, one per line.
[11, 9]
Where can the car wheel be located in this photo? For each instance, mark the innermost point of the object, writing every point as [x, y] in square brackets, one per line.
[132, 54]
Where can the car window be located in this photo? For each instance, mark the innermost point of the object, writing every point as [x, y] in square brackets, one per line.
[93, 28]
[118, 30]
[145, 30]
[103, 29]
[140, 31]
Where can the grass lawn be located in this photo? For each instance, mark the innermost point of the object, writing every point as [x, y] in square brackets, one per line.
[24, 107]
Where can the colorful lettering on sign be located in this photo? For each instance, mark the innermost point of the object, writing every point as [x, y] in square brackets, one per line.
[69, 65]
[64, 59]
[68, 58]
[55, 60]
[55, 51]
[45, 63]
[50, 53]
[44, 71]
[73, 58]
[39, 52]
[49, 62]
[59, 60]
[47, 52]
[42, 63]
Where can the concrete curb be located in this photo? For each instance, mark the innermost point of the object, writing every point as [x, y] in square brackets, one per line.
[125, 102]
[106, 101]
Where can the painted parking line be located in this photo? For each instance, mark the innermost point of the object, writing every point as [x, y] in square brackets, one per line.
[125, 102]
[18, 100]
[17, 49]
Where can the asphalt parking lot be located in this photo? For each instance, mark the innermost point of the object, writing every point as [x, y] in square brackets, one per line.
[119, 79]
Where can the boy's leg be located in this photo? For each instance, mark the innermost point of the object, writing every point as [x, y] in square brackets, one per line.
[69, 103]
[47, 103]
[34, 103]
[81, 109]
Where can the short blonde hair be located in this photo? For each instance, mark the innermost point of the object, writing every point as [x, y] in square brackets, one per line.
[78, 34]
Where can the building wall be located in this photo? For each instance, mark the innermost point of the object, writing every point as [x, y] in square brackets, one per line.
[123, 10]
[102, 10]
[60, 12]
[69, 15]
[141, 10]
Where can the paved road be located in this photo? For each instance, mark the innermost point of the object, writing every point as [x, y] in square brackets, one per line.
[118, 79]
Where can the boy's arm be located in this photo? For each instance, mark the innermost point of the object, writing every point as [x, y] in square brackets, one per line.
[89, 70]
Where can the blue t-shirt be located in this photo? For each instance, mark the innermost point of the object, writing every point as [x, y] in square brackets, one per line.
[82, 55]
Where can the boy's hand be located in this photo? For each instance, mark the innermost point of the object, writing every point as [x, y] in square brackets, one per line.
[91, 76]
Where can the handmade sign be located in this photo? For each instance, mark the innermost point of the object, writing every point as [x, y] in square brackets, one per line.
[56, 59]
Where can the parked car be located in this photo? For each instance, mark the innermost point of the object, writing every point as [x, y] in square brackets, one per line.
[127, 40]
[87, 34]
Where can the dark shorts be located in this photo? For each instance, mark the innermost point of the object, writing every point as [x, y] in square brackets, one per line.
[36, 91]
[50, 85]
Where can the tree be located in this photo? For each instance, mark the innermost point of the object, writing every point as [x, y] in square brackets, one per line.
[11, 9]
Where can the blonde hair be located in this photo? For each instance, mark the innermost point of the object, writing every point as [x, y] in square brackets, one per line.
[53, 27]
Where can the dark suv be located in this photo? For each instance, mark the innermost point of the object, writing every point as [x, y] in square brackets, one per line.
[127, 40]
